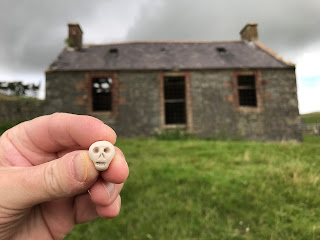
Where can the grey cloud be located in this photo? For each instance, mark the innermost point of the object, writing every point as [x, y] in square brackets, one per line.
[284, 26]
[32, 32]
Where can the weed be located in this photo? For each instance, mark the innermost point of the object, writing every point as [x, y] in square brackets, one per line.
[174, 134]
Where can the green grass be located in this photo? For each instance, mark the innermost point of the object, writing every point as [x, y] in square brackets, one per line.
[4, 125]
[197, 189]
[311, 118]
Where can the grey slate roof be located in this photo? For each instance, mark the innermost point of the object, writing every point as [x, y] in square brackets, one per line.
[168, 56]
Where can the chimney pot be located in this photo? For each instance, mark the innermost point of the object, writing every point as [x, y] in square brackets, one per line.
[75, 36]
[250, 32]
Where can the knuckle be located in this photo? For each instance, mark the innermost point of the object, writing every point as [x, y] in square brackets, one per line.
[53, 180]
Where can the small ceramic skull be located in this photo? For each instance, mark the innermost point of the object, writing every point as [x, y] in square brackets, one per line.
[101, 153]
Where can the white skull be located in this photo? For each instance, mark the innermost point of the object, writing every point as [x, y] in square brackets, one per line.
[101, 153]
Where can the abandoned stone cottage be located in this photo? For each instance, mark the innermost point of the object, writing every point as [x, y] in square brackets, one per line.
[239, 88]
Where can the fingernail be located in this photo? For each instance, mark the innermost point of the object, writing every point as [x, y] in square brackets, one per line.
[115, 205]
[110, 189]
[80, 168]
[121, 153]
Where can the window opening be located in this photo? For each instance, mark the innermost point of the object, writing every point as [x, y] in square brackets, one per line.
[101, 94]
[163, 50]
[247, 90]
[174, 98]
[221, 50]
[113, 50]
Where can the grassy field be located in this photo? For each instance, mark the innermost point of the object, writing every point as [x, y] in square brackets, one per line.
[196, 189]
[311, 118]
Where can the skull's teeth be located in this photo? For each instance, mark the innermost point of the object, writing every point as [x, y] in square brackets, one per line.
[100, 164]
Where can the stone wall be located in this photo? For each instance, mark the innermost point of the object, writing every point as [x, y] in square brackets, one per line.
[19, 108]
[213, 103]
[138, 112]
[213, 112]
[137, 103]
[275, 119]
[64, 92]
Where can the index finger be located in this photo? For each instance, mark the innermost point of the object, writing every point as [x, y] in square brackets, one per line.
[53, 133]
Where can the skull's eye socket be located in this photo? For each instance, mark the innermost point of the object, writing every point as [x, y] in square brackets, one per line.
[106, 150]
[96, 150]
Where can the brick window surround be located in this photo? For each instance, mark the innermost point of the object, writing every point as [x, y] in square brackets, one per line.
[236, 88]
[187, 95]
[114, 95]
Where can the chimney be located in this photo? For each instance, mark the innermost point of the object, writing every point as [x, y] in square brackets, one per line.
[250, 32]
[75, 36]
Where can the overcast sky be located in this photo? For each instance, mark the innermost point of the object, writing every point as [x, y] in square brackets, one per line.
[32, 32]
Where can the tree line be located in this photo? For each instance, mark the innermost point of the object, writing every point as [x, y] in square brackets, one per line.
[19, 89]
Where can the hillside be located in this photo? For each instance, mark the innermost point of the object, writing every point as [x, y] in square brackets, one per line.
[311, 118]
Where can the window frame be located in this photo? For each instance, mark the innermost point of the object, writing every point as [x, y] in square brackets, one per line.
[188, 105]
[178, 97]
[236, 88]
[90, 77]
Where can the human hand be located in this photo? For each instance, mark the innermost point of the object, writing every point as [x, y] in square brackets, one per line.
[45, 175]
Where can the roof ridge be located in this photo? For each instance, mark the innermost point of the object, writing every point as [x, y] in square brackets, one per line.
[162, 41]
[273, 54]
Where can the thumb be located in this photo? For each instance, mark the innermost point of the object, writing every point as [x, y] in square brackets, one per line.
[70, 175]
